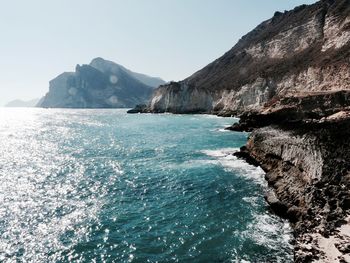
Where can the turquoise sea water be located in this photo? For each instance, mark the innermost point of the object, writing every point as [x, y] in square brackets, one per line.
[105, 186]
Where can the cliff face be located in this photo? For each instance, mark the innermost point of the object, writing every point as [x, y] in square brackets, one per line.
[102, 84]
[303, 144]
[306, 49]
[176, 97]
[308, 171]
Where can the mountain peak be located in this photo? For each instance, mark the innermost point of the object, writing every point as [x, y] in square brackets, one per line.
[97, 59]
[100, 84]
[108, 66]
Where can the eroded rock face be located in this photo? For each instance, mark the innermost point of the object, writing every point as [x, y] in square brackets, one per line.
[308, 107]
[308, 169]
[303, 144]
[180, 98]
[306, 49]
[102, 84]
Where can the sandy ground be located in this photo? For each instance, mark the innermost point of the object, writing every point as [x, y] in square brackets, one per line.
[329, 245]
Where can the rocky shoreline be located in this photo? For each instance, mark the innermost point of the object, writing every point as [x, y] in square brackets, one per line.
[288, 81]
[304, 149]
[303, 144]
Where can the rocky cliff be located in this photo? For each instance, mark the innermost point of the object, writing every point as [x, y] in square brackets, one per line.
[101, 84]
[305, 49]
[303, 144]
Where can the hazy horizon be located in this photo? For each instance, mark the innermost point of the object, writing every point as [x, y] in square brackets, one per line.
[167, 39]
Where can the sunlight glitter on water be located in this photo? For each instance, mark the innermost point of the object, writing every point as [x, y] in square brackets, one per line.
[39, 193]
[82, 186]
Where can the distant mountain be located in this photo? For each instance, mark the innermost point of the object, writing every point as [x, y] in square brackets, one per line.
[101, 84]
[22, 103]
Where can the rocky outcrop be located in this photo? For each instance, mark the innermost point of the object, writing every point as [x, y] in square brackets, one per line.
[303, 144]
[180, 98]
[299, 109]
[303, 50]
[139, 108]
[102, 84]
[309, 173]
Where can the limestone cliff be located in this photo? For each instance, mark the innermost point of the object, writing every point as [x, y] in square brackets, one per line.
[102, 84]
[306, 49]
[303, 144]
[308, 171]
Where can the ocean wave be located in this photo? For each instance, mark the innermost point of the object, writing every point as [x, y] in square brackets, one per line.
[226, 158]
[273, 232]
[266, 229]
[221, 129]
[220, 152]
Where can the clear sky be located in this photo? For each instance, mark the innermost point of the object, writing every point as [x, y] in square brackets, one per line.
[167, 38]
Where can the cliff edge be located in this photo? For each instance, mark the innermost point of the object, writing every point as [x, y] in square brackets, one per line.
[303, 144]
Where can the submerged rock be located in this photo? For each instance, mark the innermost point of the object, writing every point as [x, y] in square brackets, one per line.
[140, 108]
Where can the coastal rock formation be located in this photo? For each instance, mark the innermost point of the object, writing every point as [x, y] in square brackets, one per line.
[301, 108]
[102, 84]
[306, 49]
[303, 144]
[180, 96]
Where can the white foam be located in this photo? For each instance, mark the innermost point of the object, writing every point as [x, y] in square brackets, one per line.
[269, 230]
[266, 229]
[220, 152]
[226, 158]
[221, 129]
[209, 116]
[252, 200]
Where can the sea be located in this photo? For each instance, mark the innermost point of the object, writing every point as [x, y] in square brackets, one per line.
[107, 186]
